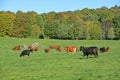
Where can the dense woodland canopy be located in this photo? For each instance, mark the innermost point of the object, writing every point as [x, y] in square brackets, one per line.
[95, 24]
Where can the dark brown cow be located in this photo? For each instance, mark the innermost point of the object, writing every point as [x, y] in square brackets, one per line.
[16, 48]
[59, 49]
[103, 49]
[47, 50]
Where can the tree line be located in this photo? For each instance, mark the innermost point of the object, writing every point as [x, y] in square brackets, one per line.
[89, 24]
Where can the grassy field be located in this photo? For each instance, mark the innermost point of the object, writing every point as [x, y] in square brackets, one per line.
[58, 65]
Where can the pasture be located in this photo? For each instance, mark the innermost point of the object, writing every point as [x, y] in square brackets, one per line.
[58, 65]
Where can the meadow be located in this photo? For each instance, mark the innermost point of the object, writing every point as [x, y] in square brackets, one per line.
[58, 65]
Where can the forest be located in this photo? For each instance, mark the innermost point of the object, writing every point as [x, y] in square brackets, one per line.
[88, 24]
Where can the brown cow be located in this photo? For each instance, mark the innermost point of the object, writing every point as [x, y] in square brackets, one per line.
[16, 48]
[47, 50]
[58, 48]
[70, 49]
[34, 48]
[53, 47]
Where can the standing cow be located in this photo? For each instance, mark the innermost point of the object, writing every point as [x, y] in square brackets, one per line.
[26, 52]
[70, 49]
[89, 50]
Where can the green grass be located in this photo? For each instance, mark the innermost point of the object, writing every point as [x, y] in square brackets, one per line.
[58, 65]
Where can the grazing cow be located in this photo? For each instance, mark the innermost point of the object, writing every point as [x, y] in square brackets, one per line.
[47, 50]
[34, 48]
[16, 48]
[53, 47]
[58, 48]
[70, 49]
[103, 49]
[89, 50]
[25, 52]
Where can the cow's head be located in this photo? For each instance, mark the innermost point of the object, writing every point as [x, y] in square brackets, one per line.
[81, 48]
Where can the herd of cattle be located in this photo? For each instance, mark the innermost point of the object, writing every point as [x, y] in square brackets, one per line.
[86, 50]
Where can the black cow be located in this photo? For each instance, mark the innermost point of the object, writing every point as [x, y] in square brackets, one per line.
[26, 52]
[89, 50]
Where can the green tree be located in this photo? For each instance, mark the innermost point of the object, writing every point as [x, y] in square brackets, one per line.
[92, 30]
[105, 17]
[32, 24]
[6, 23]
[41, 24]
[22, 25]
[116, 26]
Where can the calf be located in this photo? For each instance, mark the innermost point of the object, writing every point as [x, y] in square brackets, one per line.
[107, 49]
[103, 49]
[26, 52]
[46, 50]
[58, 48]
[89, 50]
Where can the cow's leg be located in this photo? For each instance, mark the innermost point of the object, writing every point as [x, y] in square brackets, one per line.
[87, 56]
[84, 55]
[21, 55]
[96, 54]
[28, 54]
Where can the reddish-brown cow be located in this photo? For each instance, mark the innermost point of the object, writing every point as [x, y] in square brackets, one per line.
[70, 49]
[53, 47]
[33, 48]
[16, 48]
[58, 48]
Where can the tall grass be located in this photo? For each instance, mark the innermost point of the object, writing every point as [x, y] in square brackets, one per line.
[58, 65]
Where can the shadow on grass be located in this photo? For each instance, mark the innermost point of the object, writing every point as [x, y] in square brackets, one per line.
[85, 58]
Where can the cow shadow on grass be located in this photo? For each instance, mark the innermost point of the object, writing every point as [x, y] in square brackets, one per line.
[85, 57]
[81, 58]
